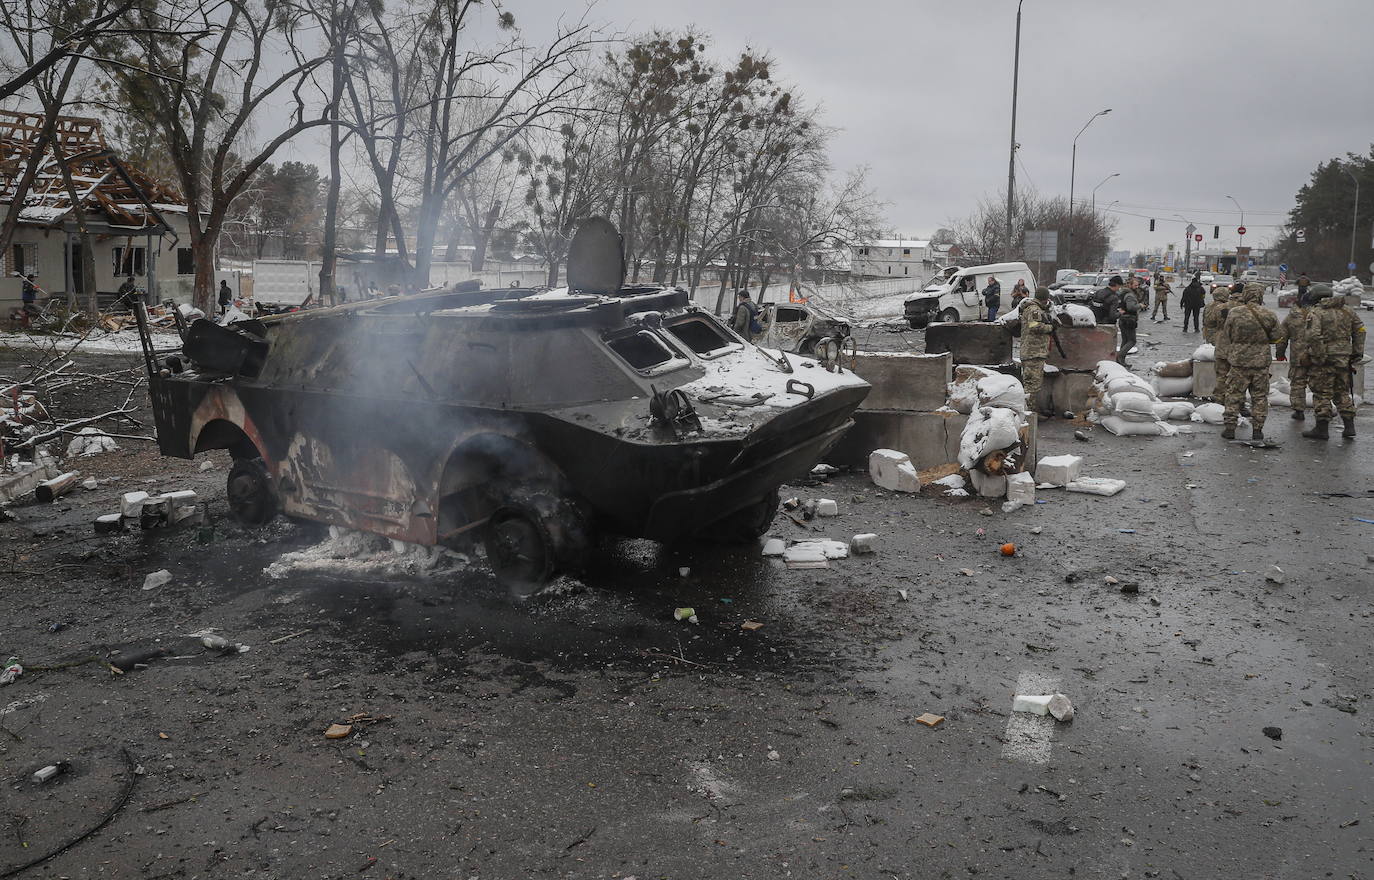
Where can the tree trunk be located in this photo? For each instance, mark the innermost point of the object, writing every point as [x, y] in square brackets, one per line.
[329, 247]
[203, 255]
[483, 237]
[553, 272]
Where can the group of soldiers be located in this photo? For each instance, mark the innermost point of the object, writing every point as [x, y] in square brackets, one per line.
[1321, 337]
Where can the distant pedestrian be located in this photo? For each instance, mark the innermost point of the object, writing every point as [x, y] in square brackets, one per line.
[29, 298]
[1019, 291]
[745, 321]
[1127, 317]
[1303, 284]
[226, 296]
[1192, 300]
[1161, 299]
[992, 298]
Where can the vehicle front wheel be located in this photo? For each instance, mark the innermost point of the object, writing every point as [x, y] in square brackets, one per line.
[252, 498]
[532, 536]
[950, 316]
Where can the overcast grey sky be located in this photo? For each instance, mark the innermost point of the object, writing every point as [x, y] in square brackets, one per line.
[1209, 98]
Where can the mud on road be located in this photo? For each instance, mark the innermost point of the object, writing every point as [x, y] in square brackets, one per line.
[586, 733]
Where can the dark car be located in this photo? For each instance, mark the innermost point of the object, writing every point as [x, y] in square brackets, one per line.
[530, 419]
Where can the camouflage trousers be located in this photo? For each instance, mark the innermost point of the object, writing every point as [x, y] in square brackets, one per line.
[1331, 387]
[1032, 379]
[1223, 367]
[1239, 381]
[1297, 385]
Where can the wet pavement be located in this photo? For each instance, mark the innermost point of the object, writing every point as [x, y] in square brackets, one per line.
[588, 734]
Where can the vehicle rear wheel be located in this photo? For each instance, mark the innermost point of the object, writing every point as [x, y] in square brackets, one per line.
[746, 524]
[950, 316]
[252, 498]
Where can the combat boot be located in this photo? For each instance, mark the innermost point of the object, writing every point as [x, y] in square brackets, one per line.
[1349, 426]
[1257, 433]
[1228, 432]
[1299, 415]
[1317, 431]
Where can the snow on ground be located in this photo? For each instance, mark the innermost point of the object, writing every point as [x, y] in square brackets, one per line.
[122, 342]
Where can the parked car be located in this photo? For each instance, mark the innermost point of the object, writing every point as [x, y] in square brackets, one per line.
[529, 420]
[1080, 288]
[958, 295]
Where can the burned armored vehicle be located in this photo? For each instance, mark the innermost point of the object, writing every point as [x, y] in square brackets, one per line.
[529, 420]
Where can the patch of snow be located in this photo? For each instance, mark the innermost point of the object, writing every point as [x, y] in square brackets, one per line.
[362, 554]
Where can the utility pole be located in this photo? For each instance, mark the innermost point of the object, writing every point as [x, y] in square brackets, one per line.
[1011, 160]
[1355, 218]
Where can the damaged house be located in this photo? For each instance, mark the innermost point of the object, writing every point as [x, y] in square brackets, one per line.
[139, 225]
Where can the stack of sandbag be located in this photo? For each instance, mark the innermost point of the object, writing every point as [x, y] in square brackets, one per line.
[991, 447]
[1348, 287]
[1127, 403]
[963, 391]
[1173, 379]
[1205, 352]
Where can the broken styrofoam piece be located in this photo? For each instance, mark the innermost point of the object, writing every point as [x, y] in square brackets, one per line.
[131, 504]
[1033, 704]
[774, 547]
[953, 481]
[893, 470]
[1060, 708]
[1059, 470]
[90, 483]
[824, 470]
[110, 522]
[816, 551]
[1020, 488]
[157, 579]
[988, 485]
[1276, 575]
[1096, 485]
[864, 543]
[827, 507]
[90, 441]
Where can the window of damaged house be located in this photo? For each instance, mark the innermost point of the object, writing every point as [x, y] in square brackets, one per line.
[129, 261]
[186, 261]
[24, 259]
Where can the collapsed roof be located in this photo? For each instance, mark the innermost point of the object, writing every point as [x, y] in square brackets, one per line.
[104, 184]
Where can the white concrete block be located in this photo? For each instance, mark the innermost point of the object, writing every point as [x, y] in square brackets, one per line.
[865, 543]
[893, 470]
[157, 579]
[774, 547]
[1096, 485]
[1035, 704]
[131, 504]
[1021, 488]
[827, 507]
[1059, 469]
[988, 486]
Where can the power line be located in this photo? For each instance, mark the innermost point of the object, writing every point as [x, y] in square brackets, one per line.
[1191, 210]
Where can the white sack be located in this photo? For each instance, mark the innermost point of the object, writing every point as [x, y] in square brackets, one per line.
[1002, 390]
[1205, 352]
[1165, 386]
[1211, 413]
[989, 428]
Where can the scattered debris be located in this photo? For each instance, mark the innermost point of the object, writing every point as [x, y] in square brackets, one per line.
[774, 547]
[687, 614]
[1275, 575]
[1130, 587]
[929, 719]
[827, 507]
[1008, 549]
[751, 626]
[1020, 491]
[864, 543]
[815, 551]
[50, 771]
[893, 470]
[11, 672]
[157, 579]
[110, 522]
[684, 571]
[1056, 705]
[90, 441]
[1274, 733]
[773, 755]
[824, 470]
[967, 572]
[903, 595]
[90, 483]
[1082, 435]
[338, 731]
[1110, 581]
[50, 490]
[131, 504]
[1096, 485]
[131, 660]
[1060, 708]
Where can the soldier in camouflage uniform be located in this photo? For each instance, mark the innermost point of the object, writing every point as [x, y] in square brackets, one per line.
[1036, 327]
[1212, 321]
[1161, 299]
[1249, 330]
[1335, 344]
[1292, 346]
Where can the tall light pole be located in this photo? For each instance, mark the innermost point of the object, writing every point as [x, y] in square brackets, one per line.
[1011, 160]
[1073, 170]
[1240, 242]
[1355, 219]
[1094, 203]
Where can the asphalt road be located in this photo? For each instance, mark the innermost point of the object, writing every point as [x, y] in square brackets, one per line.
[590, 735]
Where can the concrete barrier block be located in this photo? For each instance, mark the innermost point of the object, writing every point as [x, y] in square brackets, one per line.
[1204, 378]
[978, 343]
[903, 380]
[1083, 347]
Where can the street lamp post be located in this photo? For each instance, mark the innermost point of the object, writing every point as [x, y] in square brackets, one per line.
[1094, 200]
[1355, 218]
[1011, 160]
[1240, 242]
[1073, 170]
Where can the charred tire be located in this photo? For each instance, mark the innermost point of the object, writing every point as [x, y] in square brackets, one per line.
[252, 497]
[949, 316]
[534, 535]
[746, 524]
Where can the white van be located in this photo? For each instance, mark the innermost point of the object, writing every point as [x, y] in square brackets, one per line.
[957, 294]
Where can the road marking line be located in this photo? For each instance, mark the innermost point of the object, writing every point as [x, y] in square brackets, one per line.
[1028, 736]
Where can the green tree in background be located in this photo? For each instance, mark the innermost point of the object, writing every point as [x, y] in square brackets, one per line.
[1324, 211]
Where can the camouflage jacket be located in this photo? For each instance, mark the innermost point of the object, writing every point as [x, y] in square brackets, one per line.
[1212, 318]
[1035, 330]
[1335, 334]
[1292, 338]
[1247, 334]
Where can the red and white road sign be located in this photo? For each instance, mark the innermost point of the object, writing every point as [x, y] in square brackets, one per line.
[1197, 238]
[1240, 229]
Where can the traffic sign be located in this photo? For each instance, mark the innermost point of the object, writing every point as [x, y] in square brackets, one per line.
[1350, 266]
[1197, 237]
[1191, 229]
[1240, 229]
[1283, 267]
[1249, 264]
[1300, 235]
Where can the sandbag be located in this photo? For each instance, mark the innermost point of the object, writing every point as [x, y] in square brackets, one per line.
[1076, 315]
[963, 391]
[1205, 352]
[1127, 428]
[1174, 410]
[1175, 370]
[1211, 413]
[989, 428]
[1129, 382]
[1166, 386]
[1002, 390]
[1132, 402]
